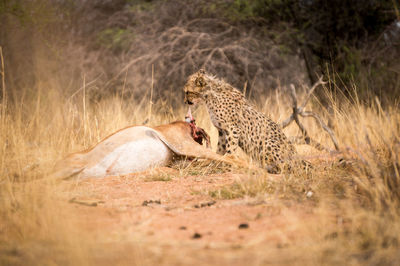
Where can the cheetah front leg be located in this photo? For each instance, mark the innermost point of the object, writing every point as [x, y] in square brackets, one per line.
[221, 142]
[273, 158]
[232, 140]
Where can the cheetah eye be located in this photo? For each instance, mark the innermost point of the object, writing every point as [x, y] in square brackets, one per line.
[200, 82]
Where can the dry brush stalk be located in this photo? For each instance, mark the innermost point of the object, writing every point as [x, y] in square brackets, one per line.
[3, 86]
[299, 111]
[178, 48]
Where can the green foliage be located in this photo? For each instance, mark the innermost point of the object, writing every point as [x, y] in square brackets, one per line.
[13, 8]
[336, 33]
[350, 58]
[339, 37]
[39, 13]
[234, 10]
[274, 10]
[115, 39]
[240, 10]
[141, 5]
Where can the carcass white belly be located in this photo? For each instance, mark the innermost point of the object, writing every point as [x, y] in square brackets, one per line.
[136, 155]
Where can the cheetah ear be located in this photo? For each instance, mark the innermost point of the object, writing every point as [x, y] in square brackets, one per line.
[200, 82]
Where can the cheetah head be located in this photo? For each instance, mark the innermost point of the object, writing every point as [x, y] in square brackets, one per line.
[196, 87]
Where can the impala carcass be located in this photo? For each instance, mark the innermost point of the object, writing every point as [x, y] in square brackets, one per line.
[139, 148]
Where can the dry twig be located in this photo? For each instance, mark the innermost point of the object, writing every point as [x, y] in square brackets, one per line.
[299, 111]
[3, 86]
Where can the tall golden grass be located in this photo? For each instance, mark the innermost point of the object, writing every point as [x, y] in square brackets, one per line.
[41, 125]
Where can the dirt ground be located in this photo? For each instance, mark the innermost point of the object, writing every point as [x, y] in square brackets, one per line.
[174, 215]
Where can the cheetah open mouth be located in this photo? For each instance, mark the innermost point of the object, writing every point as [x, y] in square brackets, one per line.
[189, 102]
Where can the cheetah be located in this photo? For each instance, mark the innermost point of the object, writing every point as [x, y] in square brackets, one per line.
[238, 122]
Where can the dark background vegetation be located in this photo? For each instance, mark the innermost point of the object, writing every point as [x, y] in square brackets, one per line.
[117, 46]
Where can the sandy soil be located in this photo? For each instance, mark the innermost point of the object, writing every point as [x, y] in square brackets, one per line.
[176, 215]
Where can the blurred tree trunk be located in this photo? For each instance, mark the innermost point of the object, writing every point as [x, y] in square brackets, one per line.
[18, 52]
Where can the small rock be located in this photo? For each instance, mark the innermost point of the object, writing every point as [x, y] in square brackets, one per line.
[309, 194]
[243, 226]
[147, 202]
[196, 236]
[205, 204]
[211, 203]
[182, 228]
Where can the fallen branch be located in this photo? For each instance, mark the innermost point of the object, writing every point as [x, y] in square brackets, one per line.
[299, 111]
[324, 126]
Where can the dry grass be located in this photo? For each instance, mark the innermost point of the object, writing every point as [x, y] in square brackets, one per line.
[356, 205]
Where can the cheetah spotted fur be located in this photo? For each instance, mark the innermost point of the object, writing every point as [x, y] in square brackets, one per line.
[239, 124]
